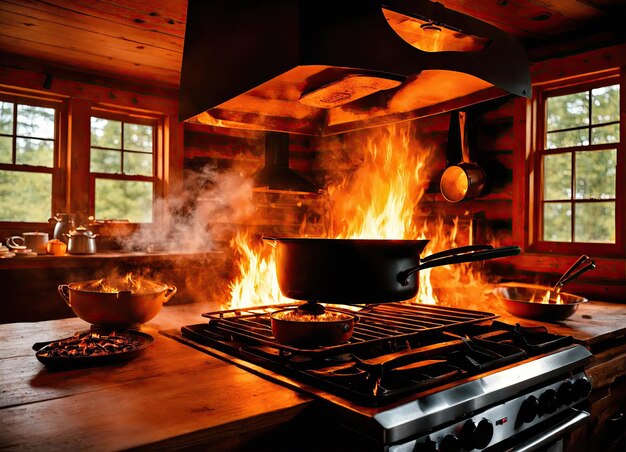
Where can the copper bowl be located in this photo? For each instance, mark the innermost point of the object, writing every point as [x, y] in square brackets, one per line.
[525, 300]
[122, 309]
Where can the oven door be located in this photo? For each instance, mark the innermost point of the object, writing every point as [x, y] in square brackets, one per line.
[547, 436]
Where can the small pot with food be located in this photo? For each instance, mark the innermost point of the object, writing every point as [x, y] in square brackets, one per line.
[312, 326]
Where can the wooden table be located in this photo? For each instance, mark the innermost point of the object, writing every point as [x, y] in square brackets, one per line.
[172, 395]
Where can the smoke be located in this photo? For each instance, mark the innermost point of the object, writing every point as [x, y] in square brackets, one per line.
[201, 215]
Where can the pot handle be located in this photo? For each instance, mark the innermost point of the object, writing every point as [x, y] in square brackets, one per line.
[468, 256]
[455, 251]
[169, 293]
[271, 241]
[64, 290]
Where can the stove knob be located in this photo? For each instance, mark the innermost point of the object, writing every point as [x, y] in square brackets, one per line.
[548, 401]
[466, 435]
[428, 445]
[529, 409]
[450, 443]
[582, 388]
[483, 434]
[565, 393]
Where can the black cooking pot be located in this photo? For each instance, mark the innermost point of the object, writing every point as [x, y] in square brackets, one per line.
[354, 271]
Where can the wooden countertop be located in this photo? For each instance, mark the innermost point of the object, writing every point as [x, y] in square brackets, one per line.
[171, 395]
[102, 258]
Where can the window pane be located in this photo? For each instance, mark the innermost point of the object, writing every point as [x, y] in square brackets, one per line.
[6, 118]
[35, 121]
[138, 137]
[605, 104]
[557, 176]
[595, 174]
[124, 200]
[135, 163]
[557, 224]
[101, 161]
[595, 222]
[605, 134]
[25, 196]
[571, 110]
[31, 151]
[106, 133]
[567, 139]
[6, 155]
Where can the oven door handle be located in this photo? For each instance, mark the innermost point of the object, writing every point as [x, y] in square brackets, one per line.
[575, 419]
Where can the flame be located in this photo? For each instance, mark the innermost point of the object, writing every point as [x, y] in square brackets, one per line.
[115, 283]
[376, 201]
[258, 284]
[548, 298]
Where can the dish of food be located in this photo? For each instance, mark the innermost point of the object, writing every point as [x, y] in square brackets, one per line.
[92, 348]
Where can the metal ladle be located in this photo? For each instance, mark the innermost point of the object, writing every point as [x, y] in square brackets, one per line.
[583, 264]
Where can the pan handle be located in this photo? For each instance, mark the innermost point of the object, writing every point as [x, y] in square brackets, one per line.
[458, 258]
[271, 241]
[455, 251]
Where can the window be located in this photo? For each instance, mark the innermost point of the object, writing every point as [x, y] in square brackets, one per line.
[576, 176]
[122, 168]
[28, 152]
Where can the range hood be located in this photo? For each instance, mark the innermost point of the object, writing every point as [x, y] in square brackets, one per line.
[321, 67]
[276, 176]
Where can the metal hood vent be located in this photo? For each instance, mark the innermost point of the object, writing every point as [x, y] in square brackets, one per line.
[320, 67]
[276, 176]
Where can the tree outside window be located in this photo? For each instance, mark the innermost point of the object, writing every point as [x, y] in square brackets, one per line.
[577, 158]
[122, 169]
[27, 161]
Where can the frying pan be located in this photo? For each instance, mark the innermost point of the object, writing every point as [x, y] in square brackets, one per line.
[516, 298]
[355, 271]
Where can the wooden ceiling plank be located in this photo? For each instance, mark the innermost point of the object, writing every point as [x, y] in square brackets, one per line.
[64, 38]
[144, 18]
[96, 64]
[528, 19]
[59, 16]
[170, 9]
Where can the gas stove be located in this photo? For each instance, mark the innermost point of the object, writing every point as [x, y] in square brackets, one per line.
[416, 376]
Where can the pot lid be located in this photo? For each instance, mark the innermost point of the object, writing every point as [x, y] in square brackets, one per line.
[82, 231]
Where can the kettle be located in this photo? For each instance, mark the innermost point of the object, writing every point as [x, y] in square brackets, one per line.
[81, 241]
[64, 224]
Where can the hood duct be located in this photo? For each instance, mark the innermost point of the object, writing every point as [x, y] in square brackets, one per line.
[276, 176]
[320, 67]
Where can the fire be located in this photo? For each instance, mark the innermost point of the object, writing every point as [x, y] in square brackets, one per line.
[548, 298]
[116, 283]
[377, 201]
[258, 284]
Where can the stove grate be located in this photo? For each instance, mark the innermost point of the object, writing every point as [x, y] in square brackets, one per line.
[380, 323]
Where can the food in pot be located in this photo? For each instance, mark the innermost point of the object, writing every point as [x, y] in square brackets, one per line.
[297, 316]
[128, 283]
[300, 329]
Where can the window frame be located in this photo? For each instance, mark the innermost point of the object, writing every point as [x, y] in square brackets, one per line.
[537, 151]
[126, 116]
[58, 194]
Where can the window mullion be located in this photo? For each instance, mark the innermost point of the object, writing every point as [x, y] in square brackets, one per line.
[14, 132]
